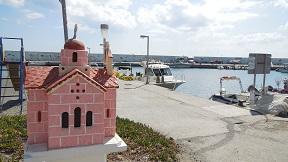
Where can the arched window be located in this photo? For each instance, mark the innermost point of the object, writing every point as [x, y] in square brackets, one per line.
[74, 57]
[107, 113]
[77, 117]
[65, 120]
[89, 118]
[39, 116]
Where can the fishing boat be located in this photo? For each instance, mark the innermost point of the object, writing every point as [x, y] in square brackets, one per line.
[161, 75]
[226, 98]
[284, 69]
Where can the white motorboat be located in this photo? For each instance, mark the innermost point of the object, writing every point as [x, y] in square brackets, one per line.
[151, 61]
[230, 98]
[181, 65]
[234, 61]
[284, 69]
[125, 70]
[161, 75]
[220, 67]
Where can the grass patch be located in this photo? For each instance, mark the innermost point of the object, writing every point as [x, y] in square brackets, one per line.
[12, 137]
[144, 144]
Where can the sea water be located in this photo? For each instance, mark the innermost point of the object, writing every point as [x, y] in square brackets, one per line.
[205, 82]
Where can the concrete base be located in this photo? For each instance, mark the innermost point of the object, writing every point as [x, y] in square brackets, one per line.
[40, 152]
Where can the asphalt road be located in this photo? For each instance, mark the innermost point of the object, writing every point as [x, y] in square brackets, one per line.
[206, 130]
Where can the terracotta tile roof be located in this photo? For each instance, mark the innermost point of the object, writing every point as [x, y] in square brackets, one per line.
[38, 77]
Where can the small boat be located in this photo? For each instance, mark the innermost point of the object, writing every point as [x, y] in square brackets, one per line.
[234, 62]
[191, 59]
[161, 75]
[284, 69]
[220, 67]
[125, 70]
[181, 65]
[230, 98]
[151, 61]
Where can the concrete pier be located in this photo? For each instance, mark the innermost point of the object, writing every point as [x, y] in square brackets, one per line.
[137, 64]
[206, 130]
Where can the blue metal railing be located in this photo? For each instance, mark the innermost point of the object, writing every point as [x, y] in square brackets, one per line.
[21, 73]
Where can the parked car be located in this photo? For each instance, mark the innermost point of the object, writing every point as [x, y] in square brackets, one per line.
[216, 62]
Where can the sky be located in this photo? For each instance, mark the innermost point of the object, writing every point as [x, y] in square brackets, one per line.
[228, 28]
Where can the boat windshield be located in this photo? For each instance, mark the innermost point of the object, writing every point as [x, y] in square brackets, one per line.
[160, 72]
[149, 72]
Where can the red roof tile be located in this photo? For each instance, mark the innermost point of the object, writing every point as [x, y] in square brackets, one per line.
[38, 77]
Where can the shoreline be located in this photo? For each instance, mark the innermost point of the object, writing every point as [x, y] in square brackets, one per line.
[138, 64]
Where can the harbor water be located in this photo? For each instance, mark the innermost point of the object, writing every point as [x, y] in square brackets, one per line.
[205, 82]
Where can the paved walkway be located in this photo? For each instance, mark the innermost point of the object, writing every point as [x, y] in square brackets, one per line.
[10, 105]
[207, 130]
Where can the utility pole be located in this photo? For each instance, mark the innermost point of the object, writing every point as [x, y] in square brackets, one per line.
[63, 3]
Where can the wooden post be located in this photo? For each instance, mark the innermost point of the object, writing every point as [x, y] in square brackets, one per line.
[63, 3]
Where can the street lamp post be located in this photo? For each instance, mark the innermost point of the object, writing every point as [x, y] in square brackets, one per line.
[147, 59]
[104, 33]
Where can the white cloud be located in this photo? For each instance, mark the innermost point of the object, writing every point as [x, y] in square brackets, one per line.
[13, 3]
[281, 3]
[184, 15]
[205, 36]
[80, 26]
[4, 19]
[257, 38]
[18, 21]
[32, 15]
[172, 15]
[101, 11]
[283, 27]
[116, 3]
[220, 26]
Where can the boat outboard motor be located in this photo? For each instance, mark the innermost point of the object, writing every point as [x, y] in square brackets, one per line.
[256, 91]
[223, 91]
[270, 88]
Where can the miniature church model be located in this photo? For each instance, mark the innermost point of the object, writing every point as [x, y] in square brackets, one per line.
[72, 105]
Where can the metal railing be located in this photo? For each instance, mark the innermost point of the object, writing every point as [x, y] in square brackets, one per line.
[21, 70]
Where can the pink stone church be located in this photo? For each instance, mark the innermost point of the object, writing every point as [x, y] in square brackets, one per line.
[72, 104]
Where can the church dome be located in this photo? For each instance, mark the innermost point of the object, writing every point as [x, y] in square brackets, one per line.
[74, 44]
